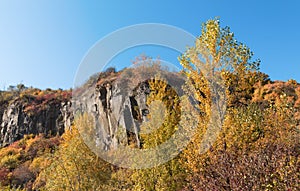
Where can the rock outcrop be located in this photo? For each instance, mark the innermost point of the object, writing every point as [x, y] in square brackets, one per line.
[118, 107]
[118, 104]
[118, 112]
[15, 122]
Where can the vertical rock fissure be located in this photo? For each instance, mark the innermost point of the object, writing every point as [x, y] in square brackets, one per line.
[135, 111]
[108, 108]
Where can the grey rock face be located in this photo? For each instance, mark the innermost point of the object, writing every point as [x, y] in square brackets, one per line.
[118, 112]
[15, 123]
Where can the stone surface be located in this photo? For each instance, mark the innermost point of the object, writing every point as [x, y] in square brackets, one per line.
[118, 112]
[15, 123]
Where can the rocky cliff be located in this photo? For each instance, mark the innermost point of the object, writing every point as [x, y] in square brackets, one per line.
[118, 111]
[118, 106]
[114, 108]
[34, 112]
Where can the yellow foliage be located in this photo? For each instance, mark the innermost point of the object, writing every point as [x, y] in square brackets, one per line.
[10, 161]
[74, 166]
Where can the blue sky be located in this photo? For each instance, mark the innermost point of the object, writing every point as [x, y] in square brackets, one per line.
[43, 42]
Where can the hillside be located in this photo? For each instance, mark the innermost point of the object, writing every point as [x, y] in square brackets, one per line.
[27, 141]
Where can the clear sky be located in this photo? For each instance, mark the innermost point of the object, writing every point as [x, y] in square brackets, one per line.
[43, 42]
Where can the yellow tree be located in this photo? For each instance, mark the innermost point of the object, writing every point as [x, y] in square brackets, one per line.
[215, 68]
[75, 166]
[163, 118]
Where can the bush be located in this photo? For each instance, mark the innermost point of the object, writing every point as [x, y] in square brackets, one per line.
[10, 161]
